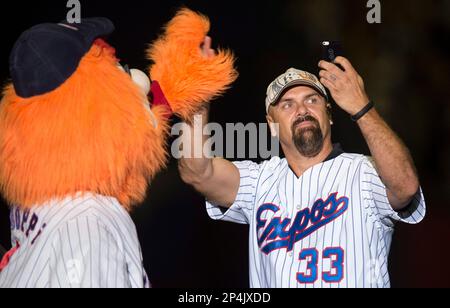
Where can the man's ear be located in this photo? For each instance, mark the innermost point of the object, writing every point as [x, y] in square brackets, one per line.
[330, 113]
[273, 126]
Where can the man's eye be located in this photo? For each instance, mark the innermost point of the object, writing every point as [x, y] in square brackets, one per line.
[312, 100]
[286, 105]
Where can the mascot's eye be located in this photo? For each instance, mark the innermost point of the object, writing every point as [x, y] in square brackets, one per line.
[125, 68]
[138, 77]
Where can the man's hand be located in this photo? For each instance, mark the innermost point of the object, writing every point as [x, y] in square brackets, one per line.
[217, 179]
[206, 49]
[392, 159]
[346, 87]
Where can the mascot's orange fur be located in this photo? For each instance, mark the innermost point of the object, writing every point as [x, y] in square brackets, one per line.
[93, 133]
[177, 55]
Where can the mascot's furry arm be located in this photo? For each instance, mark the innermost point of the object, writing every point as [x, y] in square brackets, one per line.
[187, 78]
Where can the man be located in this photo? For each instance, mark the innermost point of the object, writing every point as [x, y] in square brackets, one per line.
[320, 217]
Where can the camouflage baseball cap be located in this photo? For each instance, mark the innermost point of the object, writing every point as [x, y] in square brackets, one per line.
[292, 77]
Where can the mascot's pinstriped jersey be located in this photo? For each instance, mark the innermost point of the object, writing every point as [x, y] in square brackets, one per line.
[330, 228]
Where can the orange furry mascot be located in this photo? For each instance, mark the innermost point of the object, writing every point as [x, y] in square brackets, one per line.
[79, 145]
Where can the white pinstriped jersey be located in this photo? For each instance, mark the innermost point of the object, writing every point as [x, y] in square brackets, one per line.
[330, 228]
[83, 242]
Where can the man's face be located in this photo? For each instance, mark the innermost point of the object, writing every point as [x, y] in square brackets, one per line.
[304, 120]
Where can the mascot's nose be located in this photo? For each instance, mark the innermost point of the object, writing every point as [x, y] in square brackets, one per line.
[141, 79]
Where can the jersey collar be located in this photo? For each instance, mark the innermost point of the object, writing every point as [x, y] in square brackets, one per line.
[337, 151]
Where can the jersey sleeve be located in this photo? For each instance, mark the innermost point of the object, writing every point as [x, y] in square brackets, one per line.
[86, 255]
[376, 197]
[242, 210]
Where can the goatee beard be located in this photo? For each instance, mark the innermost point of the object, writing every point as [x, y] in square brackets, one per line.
[308, 141]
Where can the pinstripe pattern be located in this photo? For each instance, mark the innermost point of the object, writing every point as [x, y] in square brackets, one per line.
[85, 242]
[363, 232]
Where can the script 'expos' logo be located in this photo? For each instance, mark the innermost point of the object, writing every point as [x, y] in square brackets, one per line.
[278, 234]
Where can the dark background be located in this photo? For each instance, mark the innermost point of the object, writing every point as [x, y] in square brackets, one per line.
[405, 63]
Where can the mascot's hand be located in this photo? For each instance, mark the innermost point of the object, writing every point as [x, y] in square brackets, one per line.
[191, 74]
[157, 96]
